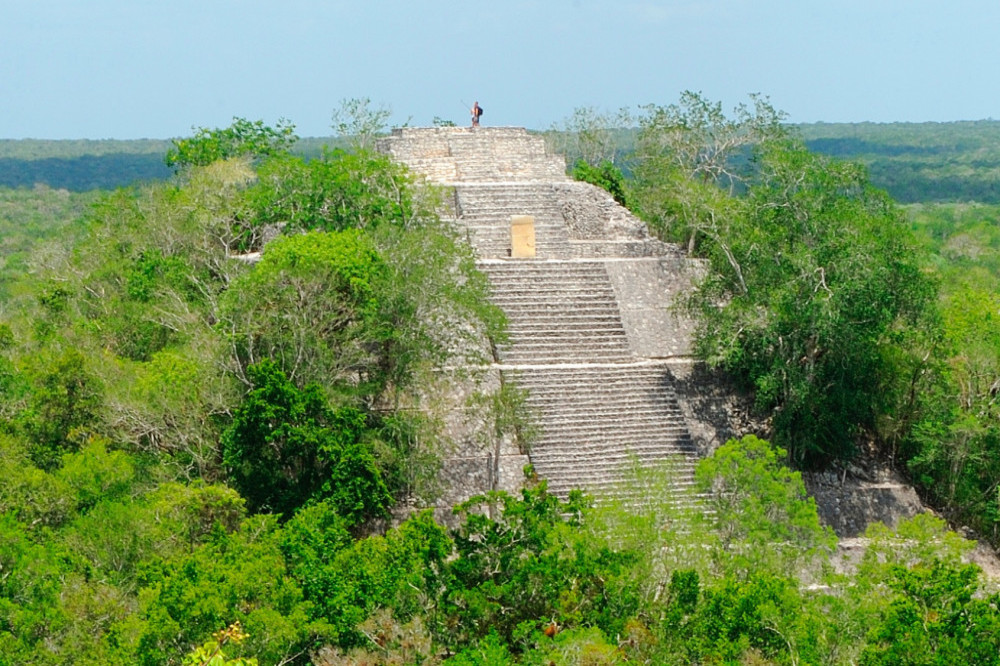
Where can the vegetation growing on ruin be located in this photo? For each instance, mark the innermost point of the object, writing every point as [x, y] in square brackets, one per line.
[199, 452]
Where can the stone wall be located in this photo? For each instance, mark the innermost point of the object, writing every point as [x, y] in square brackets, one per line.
[474, 154]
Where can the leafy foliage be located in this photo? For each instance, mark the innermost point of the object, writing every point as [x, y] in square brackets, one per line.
[759, 507]
[286, 446]
[357, 121]
[606, 176]
[521, 561]
[141, 362]
[812, 271]
[242, 138]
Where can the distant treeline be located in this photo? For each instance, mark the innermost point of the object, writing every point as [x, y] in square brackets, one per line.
[919, 162]
[914, 162]
[82, 165]
[83, 173]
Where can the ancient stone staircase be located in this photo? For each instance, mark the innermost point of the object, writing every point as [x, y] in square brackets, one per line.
[558, 312]
[600, 420]
[600, 386]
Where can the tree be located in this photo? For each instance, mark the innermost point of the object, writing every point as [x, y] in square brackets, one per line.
[314, 304]
[339, 191]
[759, 508]
[358, 122]
[232, 577]
[814, 280]
[244, 138]
[591, 135]
[522, 562]
[64, 407]
[689, 156]
[402, 572]
[812, 274]
[606, 176]
[696, 137]
[285, 447]
[953, 449]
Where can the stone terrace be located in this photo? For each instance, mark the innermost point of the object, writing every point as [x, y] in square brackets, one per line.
[593, 338]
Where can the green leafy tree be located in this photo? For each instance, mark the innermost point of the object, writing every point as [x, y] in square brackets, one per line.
[339, 191]
[29, 593]
[238, 577]
[815, 273]
[313, 304]
[759, 507]
[523, 562]
[952, 451]
[691, 158]
[247, 138]
[606, 176]
[65, 406]
[348, 581]
[359, 122]
[96, 474]
[287, 446]
[934, 617]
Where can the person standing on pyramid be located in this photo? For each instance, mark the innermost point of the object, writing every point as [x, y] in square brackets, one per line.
[476, 112]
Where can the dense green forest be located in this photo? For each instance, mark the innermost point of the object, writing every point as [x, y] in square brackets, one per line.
[914, 162]
[919, 162]
[106, 164]
[202, 456]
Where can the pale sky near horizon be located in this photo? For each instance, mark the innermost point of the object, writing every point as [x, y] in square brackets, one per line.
[128, 69]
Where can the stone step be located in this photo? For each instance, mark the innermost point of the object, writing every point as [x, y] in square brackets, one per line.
[570, 322]
[576, 338]
[570, 303]
[547, 356]
[607, 402]
[553, 282]
[610, 403]
[596, 346]
[608, 441]
[542, 318]
[608, 457]
[531, 284]
[589, 478]
[570, 462]
[657, 420]
[499, 217]
[549, 268]
[681, 461]
[654, 422]
[615, 481]
[553, 294]
[618, 492]
[650, 426]
[554, 330]
[575, 303]
[587, 374]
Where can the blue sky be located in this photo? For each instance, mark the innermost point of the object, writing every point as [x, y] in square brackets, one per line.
[156, 68]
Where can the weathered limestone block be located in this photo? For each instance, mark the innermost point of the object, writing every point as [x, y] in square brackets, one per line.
[851, 500]
[647, 291]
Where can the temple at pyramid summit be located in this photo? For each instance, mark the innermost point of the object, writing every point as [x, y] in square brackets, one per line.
[594, 338]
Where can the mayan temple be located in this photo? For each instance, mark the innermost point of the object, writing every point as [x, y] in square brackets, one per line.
[588, 294]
